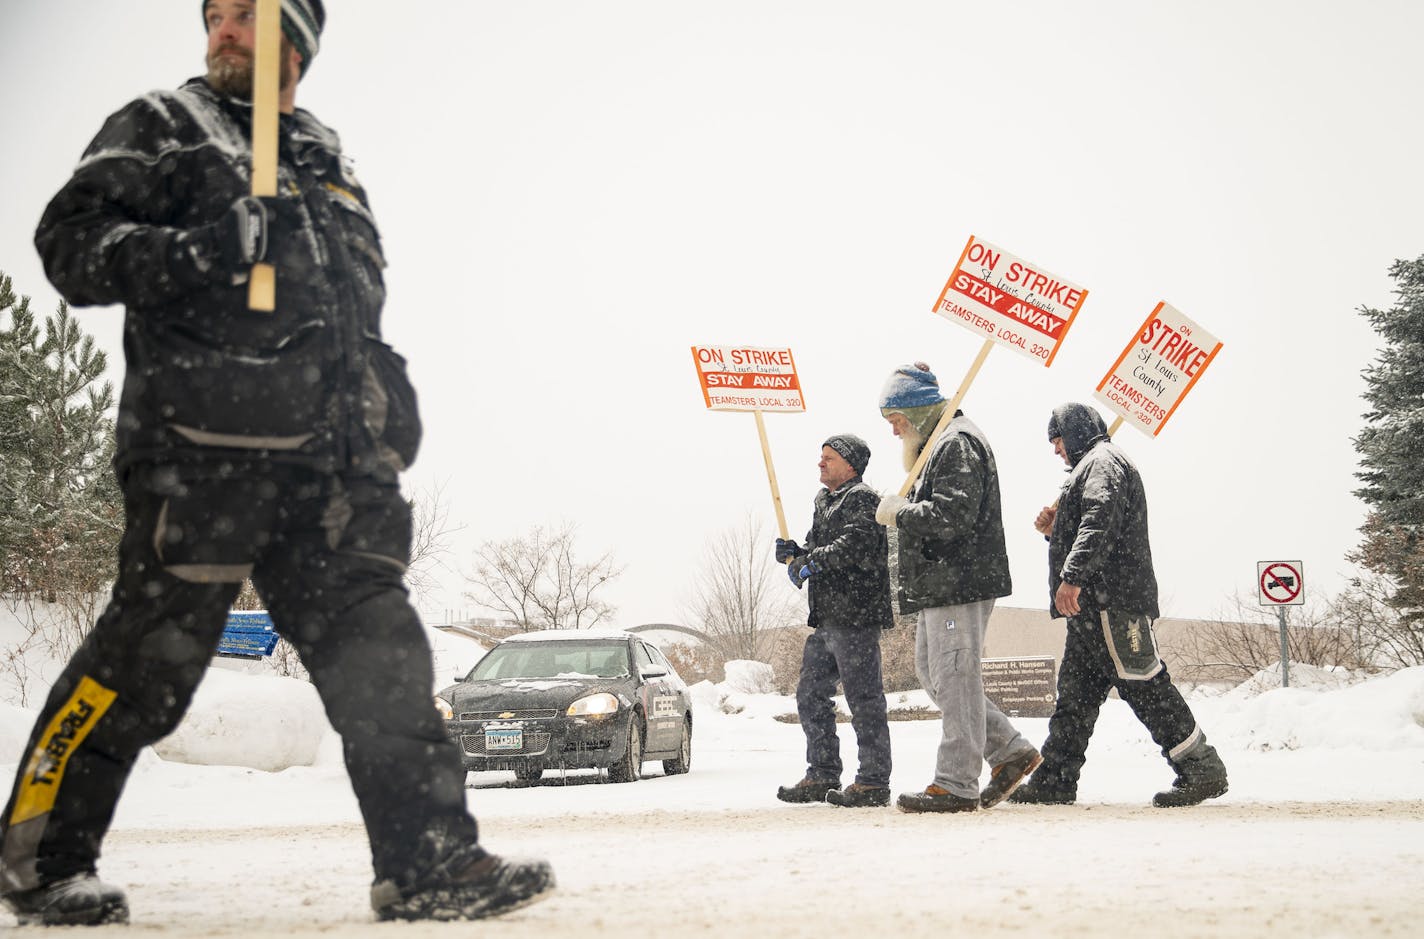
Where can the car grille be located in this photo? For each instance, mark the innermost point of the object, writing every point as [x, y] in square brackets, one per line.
[531, 715]
[535, 743]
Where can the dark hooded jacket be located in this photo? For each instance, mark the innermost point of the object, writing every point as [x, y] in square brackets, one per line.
[311, 383]
[1099, 540]
[951, 534]
[852, 589]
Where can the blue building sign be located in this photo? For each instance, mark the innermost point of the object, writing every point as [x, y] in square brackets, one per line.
[248, 633]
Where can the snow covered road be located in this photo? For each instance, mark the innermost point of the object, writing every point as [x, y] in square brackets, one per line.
[1322, 834]
[1299, 869]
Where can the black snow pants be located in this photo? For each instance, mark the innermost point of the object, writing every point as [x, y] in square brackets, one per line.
[1106, 650]
[327, 554]
[851, 656]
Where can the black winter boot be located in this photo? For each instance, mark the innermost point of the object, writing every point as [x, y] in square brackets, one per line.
[80, 900]
[487, 887]
[1200, 776]
[1035, 793]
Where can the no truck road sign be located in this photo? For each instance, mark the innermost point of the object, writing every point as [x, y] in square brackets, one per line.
[1281, 583]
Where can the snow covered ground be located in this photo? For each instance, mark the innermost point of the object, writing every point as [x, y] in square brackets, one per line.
[1322, 833]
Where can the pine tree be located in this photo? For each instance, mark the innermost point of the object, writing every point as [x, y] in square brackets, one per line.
[1391, 446]
[60, 511]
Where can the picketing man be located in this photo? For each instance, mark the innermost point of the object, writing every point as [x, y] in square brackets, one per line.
[953, 565]
[845, 570]
[1100, 577]
[250, 444]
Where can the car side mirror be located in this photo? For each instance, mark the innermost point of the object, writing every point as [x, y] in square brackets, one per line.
[652, 671]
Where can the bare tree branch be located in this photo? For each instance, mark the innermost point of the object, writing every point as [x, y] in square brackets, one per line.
[735, 600]
[538, 581]
[431, 531]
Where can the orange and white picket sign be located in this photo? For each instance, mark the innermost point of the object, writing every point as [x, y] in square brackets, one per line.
[1160, 364]
[745, 378]
[1009, 302]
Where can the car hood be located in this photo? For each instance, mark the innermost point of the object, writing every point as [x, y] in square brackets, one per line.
[519, 694]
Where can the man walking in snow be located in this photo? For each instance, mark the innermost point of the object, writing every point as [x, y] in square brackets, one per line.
[846, 572]
[953, 566]
[250, 444]
[1100, 577]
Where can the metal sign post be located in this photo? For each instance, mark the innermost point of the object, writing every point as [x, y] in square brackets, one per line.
[1281, 584]
[1285, 653]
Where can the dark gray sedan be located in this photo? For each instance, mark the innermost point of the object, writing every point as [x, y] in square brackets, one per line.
[571, 699]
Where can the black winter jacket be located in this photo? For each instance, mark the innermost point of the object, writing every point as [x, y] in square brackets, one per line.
[852, 590]
[951, 534]
[1099, 540]
[311, 383]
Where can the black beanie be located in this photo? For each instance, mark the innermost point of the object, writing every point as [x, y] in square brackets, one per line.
[852, 449]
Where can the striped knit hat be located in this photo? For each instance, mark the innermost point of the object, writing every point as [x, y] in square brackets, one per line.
[302, 23]
[852, 449]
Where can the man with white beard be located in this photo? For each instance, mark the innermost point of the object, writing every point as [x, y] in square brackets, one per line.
[953, 566]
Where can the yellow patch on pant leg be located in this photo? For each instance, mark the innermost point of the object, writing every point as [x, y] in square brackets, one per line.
[39, 784]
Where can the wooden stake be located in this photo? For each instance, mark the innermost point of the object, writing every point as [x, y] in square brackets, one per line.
[266, 72]
[946, 417]
[771, 476]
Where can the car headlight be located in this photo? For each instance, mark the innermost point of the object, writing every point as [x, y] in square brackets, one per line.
[443, 708]
[594, 705]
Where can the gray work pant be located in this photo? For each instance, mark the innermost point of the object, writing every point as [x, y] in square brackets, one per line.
[949, 643]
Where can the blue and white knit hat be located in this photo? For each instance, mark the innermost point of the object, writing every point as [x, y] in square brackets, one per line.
[910, 386]
[302, 23]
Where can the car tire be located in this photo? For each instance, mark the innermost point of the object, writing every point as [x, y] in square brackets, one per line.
[529, 774]
[683, 761]
[630, 767]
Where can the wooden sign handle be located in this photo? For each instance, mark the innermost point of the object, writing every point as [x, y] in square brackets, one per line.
[771, 476]
[266, 71]
[946, 417]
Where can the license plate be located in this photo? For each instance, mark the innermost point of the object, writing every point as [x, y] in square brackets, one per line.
[504, 740]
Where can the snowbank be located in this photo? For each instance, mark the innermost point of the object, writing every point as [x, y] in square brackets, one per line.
[15, 726]
[245, 715]
[1381, 713]
[259, 721]
[748, 677]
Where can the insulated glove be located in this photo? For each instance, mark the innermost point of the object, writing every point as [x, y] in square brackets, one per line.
[786, 549]
[808, 567]
[794, 567]
[889, 508]
[246, 234]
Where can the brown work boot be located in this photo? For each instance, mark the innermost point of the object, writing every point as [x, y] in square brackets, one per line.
[859, 796]
[1005, 777]
[807, 790]
[935, 799]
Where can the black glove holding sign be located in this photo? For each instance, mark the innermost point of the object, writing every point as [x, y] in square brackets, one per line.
[249, 232]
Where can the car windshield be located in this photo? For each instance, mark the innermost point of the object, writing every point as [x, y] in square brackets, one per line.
[559, 659]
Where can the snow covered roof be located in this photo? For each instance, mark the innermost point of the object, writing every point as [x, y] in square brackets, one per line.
[544, 635]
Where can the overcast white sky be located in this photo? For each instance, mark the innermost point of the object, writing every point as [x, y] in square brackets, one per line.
[572, 194]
